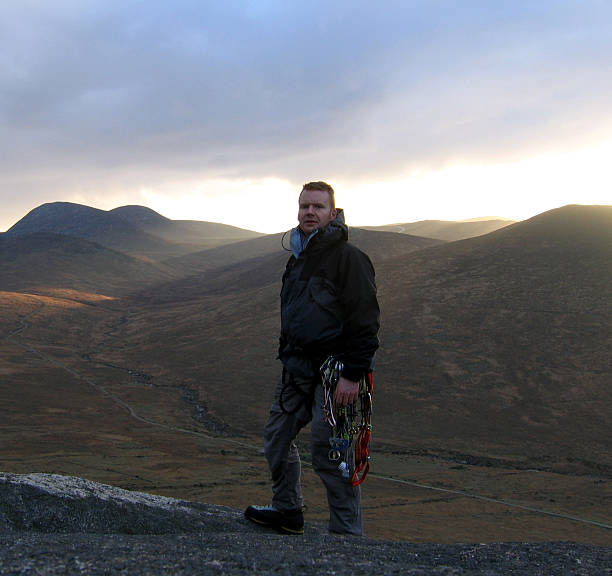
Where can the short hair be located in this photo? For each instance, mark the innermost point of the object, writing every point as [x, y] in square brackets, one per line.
[323, 187]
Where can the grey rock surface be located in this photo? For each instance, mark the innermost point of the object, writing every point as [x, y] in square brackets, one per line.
[62, 525]
[53, 503]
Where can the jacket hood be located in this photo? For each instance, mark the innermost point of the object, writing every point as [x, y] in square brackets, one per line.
[335, 231]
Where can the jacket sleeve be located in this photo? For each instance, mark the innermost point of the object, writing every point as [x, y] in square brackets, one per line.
[360, 311]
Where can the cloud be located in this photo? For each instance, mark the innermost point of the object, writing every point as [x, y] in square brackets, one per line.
[127, 90]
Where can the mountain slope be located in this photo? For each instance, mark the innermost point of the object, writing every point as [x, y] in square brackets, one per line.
[503, 340]
[195, 235]
[378, 245]
[218, 327]
[493, 345]
[45, 260]
[448, 231]
[492, 377]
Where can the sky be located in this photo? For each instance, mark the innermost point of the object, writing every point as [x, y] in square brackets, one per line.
[221, 110]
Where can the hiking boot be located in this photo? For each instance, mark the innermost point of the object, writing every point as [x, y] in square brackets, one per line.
[290, 522]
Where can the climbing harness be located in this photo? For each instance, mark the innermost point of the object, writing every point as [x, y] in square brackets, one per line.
[289, 384]
[351, 425]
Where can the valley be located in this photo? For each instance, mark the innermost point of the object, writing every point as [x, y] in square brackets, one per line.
[492, 414]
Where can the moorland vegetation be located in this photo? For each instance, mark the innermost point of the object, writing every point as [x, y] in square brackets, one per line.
[140, 352]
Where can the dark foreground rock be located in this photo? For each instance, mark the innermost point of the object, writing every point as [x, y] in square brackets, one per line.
[53, 503]
[261, 553]
[61, 525]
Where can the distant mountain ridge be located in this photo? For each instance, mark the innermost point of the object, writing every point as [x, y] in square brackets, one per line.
[135, 246]
[447, 230]
[140, 216]
[136, 230]
[71, 220]
[195, 234]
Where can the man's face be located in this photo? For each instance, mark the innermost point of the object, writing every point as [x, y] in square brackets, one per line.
[315, 210]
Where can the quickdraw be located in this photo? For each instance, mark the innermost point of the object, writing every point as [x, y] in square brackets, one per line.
[350, 439]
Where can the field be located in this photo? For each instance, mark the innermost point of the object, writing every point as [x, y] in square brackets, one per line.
[68, 409]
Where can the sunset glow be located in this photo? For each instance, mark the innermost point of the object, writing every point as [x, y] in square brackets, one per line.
[216, 112]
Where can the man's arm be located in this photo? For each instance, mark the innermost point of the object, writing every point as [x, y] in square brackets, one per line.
[361, 314]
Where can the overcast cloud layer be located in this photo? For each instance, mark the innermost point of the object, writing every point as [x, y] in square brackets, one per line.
[103, 98]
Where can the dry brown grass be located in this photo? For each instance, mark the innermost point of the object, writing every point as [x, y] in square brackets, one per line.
[492, 380]
[65, 413]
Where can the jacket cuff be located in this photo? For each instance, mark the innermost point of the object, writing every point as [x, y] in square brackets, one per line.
[353, 374]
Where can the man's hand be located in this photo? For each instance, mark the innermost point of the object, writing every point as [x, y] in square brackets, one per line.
[347, 392]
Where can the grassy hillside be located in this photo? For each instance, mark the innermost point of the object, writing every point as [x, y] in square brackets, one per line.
[43, 261]
[191, 235]
[445, 230]
[492, 377]
[503, 340]
[494, 345]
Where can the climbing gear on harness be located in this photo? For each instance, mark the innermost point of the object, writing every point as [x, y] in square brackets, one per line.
[350, 439]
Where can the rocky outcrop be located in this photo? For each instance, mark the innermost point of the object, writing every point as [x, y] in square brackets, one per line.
[65, 504]
[53, 524]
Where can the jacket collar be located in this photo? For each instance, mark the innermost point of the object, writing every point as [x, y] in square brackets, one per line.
[335, 231]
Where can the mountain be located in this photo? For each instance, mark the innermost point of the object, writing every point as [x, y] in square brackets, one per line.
[193, 234]
[47, 260]
[135, 230]
[446, 230]
[493, 345]
[65, 245]
[92, 224]
[504, 339]
[492, 377]
[375, 244]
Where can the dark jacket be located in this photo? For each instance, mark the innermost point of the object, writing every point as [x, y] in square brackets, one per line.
[328, 305]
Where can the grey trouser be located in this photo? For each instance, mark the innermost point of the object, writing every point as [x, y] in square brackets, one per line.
[281, 452]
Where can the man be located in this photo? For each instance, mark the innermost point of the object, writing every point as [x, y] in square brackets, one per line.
[328, 308]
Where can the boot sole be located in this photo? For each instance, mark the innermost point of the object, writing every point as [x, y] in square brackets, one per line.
[279, 528]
